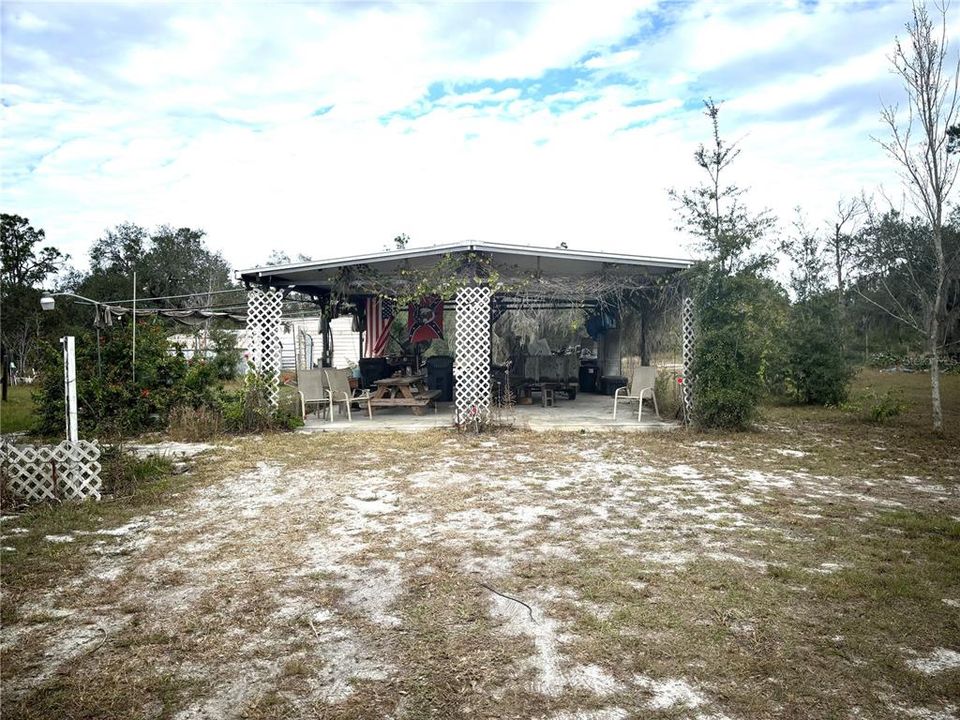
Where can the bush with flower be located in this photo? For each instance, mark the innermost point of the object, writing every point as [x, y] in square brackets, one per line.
[112, 400]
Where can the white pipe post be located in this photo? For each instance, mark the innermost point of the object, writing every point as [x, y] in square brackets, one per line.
[70, 386]
[133, 361]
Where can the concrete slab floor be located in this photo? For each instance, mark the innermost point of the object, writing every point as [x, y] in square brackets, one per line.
[588, 412]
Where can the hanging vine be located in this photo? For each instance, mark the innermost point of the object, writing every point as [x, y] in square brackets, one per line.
[607, 289]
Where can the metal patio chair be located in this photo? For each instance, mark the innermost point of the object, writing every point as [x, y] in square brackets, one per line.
[340, 393]
[641, 385]
[312, 389]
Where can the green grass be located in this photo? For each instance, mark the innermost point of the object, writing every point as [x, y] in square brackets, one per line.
[17, 413]
[911, 389]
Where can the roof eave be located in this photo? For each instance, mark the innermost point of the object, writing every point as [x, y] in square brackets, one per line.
[469, 246]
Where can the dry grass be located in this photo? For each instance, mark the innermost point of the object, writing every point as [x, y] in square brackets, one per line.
[796, 571]
[194, 424]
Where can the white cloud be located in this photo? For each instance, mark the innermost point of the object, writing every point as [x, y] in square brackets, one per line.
[211, 123]
[790, 89]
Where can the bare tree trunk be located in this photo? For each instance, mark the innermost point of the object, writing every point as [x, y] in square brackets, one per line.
[935, 375]
[838, 256]
[931, 79]
[644, 320]
[935, 327]
[838, 261]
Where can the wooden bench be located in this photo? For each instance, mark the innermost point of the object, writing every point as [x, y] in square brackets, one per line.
[416, 403]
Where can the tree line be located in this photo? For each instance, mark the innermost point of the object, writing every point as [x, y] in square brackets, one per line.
[879, 268]
[174, 269]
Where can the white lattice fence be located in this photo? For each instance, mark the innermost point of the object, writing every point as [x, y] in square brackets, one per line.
[472, 370]
[687, 390]
[68, 471]
[264, 313]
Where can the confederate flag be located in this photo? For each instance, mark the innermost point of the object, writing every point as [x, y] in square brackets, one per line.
[425, 320]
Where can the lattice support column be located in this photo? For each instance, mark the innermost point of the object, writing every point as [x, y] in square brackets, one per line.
[68, 471]
[472, 369]
[687, 340]
[264, 313]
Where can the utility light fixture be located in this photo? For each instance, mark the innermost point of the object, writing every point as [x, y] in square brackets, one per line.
[47, 302]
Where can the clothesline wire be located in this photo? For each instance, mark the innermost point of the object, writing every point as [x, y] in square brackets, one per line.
[207, 308]
[174, 297]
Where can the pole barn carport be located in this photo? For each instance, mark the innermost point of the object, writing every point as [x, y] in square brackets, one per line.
[481, 280]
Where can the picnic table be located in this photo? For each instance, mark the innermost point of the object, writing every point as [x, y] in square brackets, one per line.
[404, 391]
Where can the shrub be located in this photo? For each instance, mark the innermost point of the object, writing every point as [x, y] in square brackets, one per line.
[734, 344]
[227, 359]
[668, 393]
[877, 407]
[249, 410]
[111, 401]
[886, 359]
[912, 363]
[880, 407]
[122, 474]
[817, 370]
[170, 392]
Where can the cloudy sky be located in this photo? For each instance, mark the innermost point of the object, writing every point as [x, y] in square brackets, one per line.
[327, 129]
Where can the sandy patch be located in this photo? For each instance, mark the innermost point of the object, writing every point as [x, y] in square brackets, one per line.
[668, 558]
[788, 452]
[940, 660]
[670, 693]
[333, 555]
[58, 538]
[611, 713]
[684, 471]
[175, 450]
[554, 673]
[948, 712]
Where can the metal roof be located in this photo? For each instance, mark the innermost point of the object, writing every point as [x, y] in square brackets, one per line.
[560, 262]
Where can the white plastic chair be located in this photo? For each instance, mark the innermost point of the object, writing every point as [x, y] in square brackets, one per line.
[642, 385]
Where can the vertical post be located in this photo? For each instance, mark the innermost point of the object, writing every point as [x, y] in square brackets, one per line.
[472, 370]
[4, 370]
[687, 338]
[99, 363]
[133, 360]
[264, 313]
[70, 386]
[324, 340]
[99, 318]
[206, 324]
[297, 349]
[644, 307]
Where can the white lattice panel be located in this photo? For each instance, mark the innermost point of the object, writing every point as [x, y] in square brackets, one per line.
[472, 368]
[686, 389]
[68, 471]
[264, 313]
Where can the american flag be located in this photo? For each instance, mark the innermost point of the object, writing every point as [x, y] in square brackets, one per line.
[380, 314]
